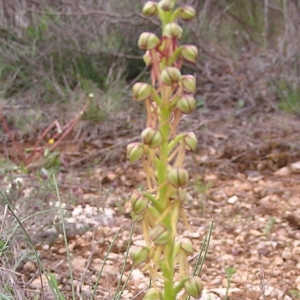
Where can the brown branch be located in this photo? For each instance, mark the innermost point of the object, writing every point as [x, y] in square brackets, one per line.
[37, 151]
[70, 127]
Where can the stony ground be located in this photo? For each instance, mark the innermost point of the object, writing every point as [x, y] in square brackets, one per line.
[245, 178]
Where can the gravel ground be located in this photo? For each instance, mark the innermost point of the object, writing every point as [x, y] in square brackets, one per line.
[245, 177]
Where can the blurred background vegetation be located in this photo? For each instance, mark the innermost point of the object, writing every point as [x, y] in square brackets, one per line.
[53, 53]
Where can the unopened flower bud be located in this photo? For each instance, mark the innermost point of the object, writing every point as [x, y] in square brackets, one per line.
[173, 30]
[194, 287]
[139, 203]
[151, 137]
[139, 255]
[190, 141]
[187, 13]
[186, 103]
[178, 194]
[186, 245]
[141, 91]
[148, 41]
[135, 152]
[166, 5]
[152, 294]
[150, 9]
[170, 75]
[147, 58]
[190, 53]
[188, 83]
[178, 176]
[159, 235]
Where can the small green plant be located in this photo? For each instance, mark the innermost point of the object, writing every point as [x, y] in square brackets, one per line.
[229, 272]
[269, 226]
[55, 288]
[289, 97]
[201, 189]
[295, 294]
[162, 152]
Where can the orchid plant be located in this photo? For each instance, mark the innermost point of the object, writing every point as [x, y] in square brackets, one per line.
[162, 151]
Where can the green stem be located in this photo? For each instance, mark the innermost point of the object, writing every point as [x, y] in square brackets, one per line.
[174, 56]
[175, 142]
[162, 167]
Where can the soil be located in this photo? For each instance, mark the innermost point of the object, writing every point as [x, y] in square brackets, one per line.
[243, 179]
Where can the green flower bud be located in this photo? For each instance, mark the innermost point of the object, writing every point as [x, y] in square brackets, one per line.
[170, 75]
[178, 194]
[190, 53]
[147, 58]
[151, 137]
[188, 83]
[173, 30]
[159, 235]
[139, 203]
[194, 287]
[187, 13]
[152, 294]
[148, 41]
[139, 255]
[186, 245]
[141, 91]
[178, 176]
[190, 141]
[186, 103]
[166, 5]
[150, 9]
[135, 152]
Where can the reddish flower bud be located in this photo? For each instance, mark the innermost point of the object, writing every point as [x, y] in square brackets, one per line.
[188, 83]
[166, 5]
[148, 41]
[186, 104]
[173, 30]
[150, 9]
[151, 137]
[170, 75]
[178, 177]
[190, 53]
[190, 141]
[187, 13]
[135, 151]
[194, 287]
[141, 91]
